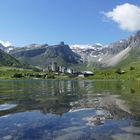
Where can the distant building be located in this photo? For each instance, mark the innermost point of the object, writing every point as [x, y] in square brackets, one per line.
[46, 69]
[69, 70]
[54, 66]
[81, 76]
[64, 69]
[59, 68]
[87, 73]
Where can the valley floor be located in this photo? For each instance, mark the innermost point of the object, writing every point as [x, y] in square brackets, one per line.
[130, 72]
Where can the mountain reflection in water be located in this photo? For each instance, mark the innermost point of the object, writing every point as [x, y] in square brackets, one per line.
[52, 109]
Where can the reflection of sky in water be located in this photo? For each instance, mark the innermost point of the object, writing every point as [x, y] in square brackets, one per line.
[7, 106]
[64, 110]
[34, 125]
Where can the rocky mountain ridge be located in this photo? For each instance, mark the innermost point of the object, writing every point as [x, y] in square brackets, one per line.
[43, 55]
[110, 55]
[95, 55]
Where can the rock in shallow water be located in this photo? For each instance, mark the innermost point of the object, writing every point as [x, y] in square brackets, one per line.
[94, 121]
[99, 119]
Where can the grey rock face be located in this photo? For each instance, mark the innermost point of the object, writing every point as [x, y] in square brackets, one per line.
[111, 55]
[42, 55]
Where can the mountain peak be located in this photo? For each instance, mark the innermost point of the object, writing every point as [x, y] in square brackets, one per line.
[62, 43]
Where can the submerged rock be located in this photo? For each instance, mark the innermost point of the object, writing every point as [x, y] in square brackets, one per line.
[99, 119]
[94, 121]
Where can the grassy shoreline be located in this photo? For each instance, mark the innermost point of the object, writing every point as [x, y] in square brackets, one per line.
[130, 72]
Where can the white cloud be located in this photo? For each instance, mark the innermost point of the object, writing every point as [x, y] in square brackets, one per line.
[5, 43]
[127, 16]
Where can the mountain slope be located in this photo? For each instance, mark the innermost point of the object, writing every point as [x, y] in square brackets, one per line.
[114, 54]
[43, 55]
[131, 53]
[6, 48]
[8, 60]
[113, 60]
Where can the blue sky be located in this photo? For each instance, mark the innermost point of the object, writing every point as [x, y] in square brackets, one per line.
[50, 21]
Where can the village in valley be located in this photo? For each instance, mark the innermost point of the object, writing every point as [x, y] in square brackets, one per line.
[58, 69]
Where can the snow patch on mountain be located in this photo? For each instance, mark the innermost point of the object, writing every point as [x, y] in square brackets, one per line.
[6, 46]
[5, 43]
[88, 53]
[85, 47]
[98, 44]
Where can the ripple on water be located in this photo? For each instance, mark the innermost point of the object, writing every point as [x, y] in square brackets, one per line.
[7, 106]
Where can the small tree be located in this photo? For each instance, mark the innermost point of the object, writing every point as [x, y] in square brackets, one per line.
[18, 75]
[50, 75]
[132, 68]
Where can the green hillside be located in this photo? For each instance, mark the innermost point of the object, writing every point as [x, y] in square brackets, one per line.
[8, 60]
[133, 57]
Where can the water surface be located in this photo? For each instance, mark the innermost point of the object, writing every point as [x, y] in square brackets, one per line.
[69, 110]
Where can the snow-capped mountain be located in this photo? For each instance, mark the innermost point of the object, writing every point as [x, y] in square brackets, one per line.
[82, 48]
[105, 56]
[6, 47]
[96, 54]
[109, 55]
[87, 52]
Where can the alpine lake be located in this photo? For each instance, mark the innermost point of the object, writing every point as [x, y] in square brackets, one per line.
[69, 110]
